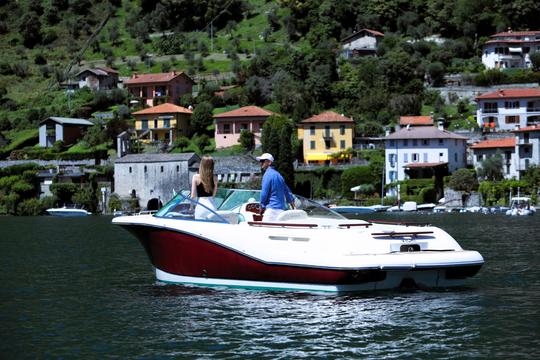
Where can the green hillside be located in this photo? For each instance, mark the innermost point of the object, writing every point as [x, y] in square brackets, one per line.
[283, 54]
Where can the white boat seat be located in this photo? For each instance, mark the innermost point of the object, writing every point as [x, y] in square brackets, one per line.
[292, 215]
[228, 215]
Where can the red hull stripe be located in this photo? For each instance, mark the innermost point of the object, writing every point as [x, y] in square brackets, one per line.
[188, 255]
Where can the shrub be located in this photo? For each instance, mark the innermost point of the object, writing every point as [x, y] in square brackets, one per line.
[30, 207]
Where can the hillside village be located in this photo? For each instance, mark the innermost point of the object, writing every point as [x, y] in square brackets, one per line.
[128, 139]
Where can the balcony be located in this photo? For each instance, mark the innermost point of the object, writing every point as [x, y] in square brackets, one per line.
[490, 111]
[327, 135]
[533, 109]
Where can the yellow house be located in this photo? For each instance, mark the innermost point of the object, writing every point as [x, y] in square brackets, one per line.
[163, 122]
[325, 134]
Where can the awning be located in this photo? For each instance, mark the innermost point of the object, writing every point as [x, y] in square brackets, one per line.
[424, 165]
[514, 49]
[317, 157]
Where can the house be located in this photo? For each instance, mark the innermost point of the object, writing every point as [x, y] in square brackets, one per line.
[510, 49]
[236, 169]
[230, 124]
[325, 134]
[99, 78]
[527, 148]
[153, 89]
[415, 121]
[68, 130]
[164, 122]
[422, 151]
[154, 177]
[502, 110]
[361, 43]
[491, 147]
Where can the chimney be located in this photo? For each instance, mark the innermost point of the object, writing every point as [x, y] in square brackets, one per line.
[440, 124]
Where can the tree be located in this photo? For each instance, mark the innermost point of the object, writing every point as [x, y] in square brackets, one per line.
[247, 140]
[535, 60]
[492, 168]
[463, 180]
[202, 117]
[276, 140]
[30, 29]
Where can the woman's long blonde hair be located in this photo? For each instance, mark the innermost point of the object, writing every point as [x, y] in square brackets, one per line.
[206, 172]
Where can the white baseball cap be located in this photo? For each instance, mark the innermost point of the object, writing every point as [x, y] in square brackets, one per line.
[265, 156]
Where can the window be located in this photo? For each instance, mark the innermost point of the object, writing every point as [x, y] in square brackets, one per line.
[392, 160]
[341, 129]
[511, 104]
[312, 144]
[312, 130]
[425, 157]
[455, 157]
[144, 124]
[415, 157]
[155, 124]
[392, 143]
[342, 144]
[166, 123]
[425, 142]
[243, 127]
[130, 169]
[392, 175]
[177, 168]
[490, 107]
[406, 142]
[441, 141]
[405, 158]
[226, 128]
[512, 119]
[415, 142]
[145, 169]
[161, 168]
[327, 131]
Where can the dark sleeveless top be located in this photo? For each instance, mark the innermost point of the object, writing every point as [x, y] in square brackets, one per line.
[201, 192]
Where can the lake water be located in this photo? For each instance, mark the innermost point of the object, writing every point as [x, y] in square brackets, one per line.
[82, 288]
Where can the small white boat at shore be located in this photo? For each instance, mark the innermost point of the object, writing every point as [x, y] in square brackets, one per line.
[521, 206]
[68, 211]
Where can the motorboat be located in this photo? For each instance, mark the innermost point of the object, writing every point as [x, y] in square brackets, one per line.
[521, 205]
[353, 210]
[68, 210]
[309, 248]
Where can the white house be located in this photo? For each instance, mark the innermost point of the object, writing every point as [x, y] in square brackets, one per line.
[527, 148]
[510, 49]
[420, 151]
[154, 177]
[363, 42]
[491, 147]
[503, 110]
[67, 130]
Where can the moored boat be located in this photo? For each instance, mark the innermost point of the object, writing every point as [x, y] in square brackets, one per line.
[68, 211]
[310, 248]
[521, 205]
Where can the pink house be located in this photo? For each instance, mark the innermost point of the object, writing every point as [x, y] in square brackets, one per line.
[229, 125]
[155, 89]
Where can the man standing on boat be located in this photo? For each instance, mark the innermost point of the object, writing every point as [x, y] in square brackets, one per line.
[275, 193]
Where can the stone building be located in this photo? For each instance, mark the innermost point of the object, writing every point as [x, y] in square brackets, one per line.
[153, 177]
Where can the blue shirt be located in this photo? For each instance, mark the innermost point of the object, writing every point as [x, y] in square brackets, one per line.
[275, 193]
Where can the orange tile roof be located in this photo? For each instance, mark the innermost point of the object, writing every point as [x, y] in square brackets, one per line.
[155, 78]
[246, 111]
[495, 143]
[327, 117]
[415, 120]
[510, 93]
[165, 108]
[528, 128]
[516, 33]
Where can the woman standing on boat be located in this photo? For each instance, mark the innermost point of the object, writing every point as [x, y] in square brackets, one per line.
[204, 187]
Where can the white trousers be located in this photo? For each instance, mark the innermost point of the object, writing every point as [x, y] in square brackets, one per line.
[201, 212]
[271, 214]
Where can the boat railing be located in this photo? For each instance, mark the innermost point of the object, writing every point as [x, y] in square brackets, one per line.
[276, 224]
[403, 223]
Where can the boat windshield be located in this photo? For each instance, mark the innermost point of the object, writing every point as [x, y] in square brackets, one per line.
[233, 201]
